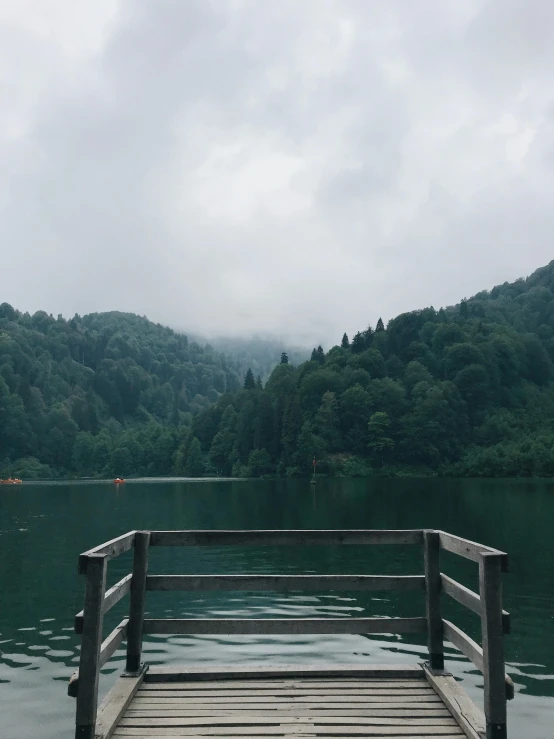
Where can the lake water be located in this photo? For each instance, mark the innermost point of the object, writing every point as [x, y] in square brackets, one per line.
[43, 528]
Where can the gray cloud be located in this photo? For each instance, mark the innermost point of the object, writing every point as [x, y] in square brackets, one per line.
[230, 166]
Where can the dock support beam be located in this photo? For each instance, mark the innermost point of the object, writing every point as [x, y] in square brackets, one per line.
[136, 608]
[490, 586]
[431, 549]
[89, 667]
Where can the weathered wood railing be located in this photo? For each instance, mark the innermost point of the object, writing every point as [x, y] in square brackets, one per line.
[495, 622]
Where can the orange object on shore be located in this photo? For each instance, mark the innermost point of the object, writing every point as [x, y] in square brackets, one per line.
[119, 480]
[11, 481]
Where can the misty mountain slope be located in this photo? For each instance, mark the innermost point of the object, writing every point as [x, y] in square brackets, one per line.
[100, 393]
[468, 390]
[257, 353]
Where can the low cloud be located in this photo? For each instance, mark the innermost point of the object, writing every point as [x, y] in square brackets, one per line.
[301, 168]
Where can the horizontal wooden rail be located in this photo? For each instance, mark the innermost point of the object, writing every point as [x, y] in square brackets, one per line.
[285, 583]
[459, 592]
[111, 549]
[109, 646]
[472, 651]
[470, 599]
[464, 643]
[285, 625]
[283, 537]
[469, 549]
[112, 642]
[113, 596]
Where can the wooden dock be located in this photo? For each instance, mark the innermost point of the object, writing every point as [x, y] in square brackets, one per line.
[420, 700]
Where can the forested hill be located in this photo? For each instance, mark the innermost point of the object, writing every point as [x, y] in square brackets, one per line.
[468, 390]
[103, 393]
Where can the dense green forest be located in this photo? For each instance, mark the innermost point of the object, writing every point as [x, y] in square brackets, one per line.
[466, 390]
[106, 393]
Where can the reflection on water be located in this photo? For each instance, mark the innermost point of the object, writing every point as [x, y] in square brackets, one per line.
[44, 527]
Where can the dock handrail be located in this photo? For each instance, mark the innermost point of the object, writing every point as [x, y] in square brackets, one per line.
[488, 658]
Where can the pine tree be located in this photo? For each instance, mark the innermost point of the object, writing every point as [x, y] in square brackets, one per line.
[380, 325]
[464, 312]
[368, 337]
[249, 382]
[345, 343]
[320, 355]
[358, 343]
[284, 358]
[259, 383]
[313, 358]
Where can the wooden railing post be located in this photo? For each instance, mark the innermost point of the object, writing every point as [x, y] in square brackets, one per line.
[136, 608]
[490, 585]
[431, 550]
[91, 640]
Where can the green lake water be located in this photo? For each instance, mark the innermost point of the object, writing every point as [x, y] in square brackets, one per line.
[43, 528]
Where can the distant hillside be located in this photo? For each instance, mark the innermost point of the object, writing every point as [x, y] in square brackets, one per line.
[467, 390]
[106, 392]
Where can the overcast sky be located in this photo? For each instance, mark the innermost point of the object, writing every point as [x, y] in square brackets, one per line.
[292, 166]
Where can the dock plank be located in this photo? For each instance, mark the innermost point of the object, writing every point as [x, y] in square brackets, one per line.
[115, 703]
[323, 708]
[313, 700]
[159, 718]
[293, 692]
[454, 697]
[365, 731]
[181, 674]
[276, 684]
[393, 712]
[291, 735]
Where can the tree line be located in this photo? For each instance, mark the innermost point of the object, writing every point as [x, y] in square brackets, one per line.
[106, 393]
[466, 390]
